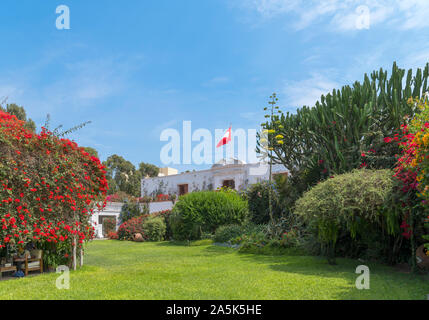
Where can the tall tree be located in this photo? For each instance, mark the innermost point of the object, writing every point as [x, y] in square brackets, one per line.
[148, 170]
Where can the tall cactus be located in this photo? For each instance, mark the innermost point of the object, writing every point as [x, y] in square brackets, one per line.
[345, 122]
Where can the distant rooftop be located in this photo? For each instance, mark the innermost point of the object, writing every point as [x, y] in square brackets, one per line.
[224, 162]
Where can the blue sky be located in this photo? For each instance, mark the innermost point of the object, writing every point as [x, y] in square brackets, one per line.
[137, 67]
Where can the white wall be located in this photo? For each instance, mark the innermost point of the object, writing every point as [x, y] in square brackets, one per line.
[160, 206]
[198, 180]
[242, 174]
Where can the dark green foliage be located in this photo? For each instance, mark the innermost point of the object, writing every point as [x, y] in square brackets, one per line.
[123, 176]
[227, 233]
[154, 228]
[257, 196]
[182, 229]
[148, 170]
[204, 211]
[131, 210]
[332, 135]
[166, 216]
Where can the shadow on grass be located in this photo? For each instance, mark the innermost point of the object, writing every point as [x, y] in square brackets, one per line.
[195, 243]
[386, 282]
[172, 244]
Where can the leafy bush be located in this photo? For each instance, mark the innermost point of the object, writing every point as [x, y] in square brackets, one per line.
[227, 233]
[166, 216]
[411, 170]
[112, 235]
[154, 228]
[132, 209]
[258, 198]
[289, 239]
[351, 202]
[49, 188]
[127, 229]
[204, 211]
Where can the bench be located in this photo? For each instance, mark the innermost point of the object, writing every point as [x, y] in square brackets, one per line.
[34, 263]
[6, 269]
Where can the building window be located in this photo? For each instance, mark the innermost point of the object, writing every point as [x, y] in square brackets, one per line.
[229, 184]
[183, 189]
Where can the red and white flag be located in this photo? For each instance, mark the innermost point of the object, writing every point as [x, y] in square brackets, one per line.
[225, 139]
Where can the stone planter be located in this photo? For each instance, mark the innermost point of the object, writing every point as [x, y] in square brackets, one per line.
[422, 257]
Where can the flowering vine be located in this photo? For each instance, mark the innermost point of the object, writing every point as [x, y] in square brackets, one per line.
[49, 187]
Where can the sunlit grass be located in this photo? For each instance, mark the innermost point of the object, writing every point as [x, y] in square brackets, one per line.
[128, 270]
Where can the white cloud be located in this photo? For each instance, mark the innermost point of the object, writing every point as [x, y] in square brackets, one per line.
[417, 59]
[82, 83]
[306, 92]
[342, 15]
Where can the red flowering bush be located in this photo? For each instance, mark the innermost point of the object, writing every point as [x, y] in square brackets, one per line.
[128, 229]
[413, 167]
[112, 235]
[163, 197]
[49, 187]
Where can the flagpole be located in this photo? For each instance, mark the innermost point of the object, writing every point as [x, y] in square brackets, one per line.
[230, 125]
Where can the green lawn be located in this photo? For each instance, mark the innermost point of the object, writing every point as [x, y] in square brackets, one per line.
[128, 270]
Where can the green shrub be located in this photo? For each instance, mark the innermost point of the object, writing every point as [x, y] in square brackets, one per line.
[260, 243]
[227, 233]
[350, 202]
[154, 228]
[258, 198]
[205, 211]
[166, 216]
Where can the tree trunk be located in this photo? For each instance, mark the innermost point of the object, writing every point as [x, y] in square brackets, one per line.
[74, 253]
[81, 257]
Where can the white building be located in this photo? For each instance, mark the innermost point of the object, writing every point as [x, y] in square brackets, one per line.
[232, 173]
[112, 210]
